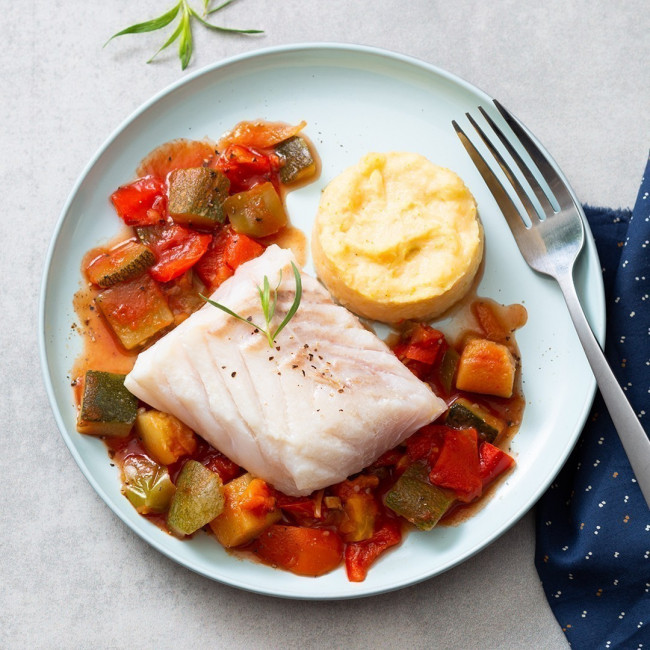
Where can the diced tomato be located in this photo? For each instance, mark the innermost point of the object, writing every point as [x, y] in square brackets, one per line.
[304, 551]
[177, 154]
[226, 252]
[241, 248]
[389, 458]
[300, 507]
[492, 462]
[359, 556]
[246, 167]
[426, 443]
[227, 469]
[212, 267]
[213, 459]
[421, 350]
[258, 498]
[457, 467]
[177, 249]
[261, 134]
[141, 203]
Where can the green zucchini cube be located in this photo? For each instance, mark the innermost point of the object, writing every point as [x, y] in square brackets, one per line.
[463, 414]
[196, 196]
[297, 159]
[199, 498]
[107, 407]
[415, 499]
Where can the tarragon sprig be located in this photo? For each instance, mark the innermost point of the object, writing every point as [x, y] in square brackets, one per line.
[269, 300]
[183, 31]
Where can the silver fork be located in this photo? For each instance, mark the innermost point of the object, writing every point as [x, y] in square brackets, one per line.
[551, 245]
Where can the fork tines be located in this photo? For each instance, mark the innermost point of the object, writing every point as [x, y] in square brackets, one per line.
[556, 187]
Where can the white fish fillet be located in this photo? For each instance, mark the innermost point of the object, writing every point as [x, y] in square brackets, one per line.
[324, 403]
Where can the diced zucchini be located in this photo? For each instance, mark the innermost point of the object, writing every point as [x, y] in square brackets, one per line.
[121, 263]
[237, 525]
[415, 499]
[448, 367]
[463, 413]
[196, 196]
[486, 367]
[360, 511]
[258, 212]
[298, 162]
[107, 407]
[147, 485]
[136, 310]
[198, 499]
[165, 437]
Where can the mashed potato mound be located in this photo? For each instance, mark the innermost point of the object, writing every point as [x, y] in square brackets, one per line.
[397, 237]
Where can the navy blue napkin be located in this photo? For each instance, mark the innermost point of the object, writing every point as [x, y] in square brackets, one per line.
[593, 525]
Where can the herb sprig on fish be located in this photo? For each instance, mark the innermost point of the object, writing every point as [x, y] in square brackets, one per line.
[268, 300]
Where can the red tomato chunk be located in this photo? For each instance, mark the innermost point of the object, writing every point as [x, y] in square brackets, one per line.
[177, 249]
[141, 203]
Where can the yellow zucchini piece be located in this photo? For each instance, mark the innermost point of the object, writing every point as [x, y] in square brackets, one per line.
[360, 513]
[165, 437]
[107, 407]
[486, 367]
[237, 525]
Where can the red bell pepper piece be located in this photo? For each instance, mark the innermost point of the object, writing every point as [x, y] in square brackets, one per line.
[141, 203]
[227, 251]
[246, 167]
[426, 443]
[424, 345]
[492, 462]
[422, 349]
[177, 249]
[359, 556]
[241, 248]
[457, 467]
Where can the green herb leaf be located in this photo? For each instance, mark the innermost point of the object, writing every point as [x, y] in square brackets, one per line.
[219, 8]
[150, 25]
[230, 312]
[183, 28]
[185, 45]
[169, 41]
[218, 28]
[268, 306]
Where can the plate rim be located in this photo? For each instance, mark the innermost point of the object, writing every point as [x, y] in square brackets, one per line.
[312, 47]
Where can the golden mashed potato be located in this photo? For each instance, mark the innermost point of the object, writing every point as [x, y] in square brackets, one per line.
[397, 237]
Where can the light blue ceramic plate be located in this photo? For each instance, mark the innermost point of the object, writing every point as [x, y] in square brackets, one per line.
[355, 100]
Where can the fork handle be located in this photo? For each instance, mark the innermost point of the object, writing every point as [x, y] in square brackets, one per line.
[635, 441]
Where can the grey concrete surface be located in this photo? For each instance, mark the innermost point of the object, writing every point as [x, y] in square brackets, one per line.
[72, 575]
